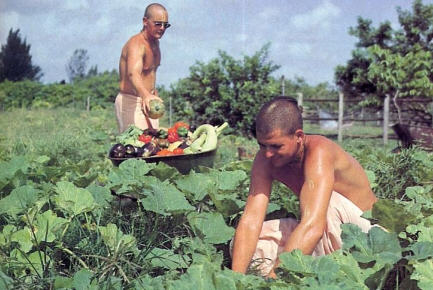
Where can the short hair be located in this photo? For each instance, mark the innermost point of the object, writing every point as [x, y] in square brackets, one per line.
[147, 12]
[280, 113]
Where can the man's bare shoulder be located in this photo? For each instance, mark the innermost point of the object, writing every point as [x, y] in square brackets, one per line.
[134, 41]
[261, 163]
[318, 143]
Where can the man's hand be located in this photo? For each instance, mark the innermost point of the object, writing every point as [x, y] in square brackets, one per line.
[146, 101]
[272, 274]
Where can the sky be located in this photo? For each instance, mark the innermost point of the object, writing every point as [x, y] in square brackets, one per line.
[308, 38]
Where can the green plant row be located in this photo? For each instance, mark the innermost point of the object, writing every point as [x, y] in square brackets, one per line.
[61, 226]
[99, 90]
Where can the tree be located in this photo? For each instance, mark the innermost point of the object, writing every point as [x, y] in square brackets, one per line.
[226, 89]
[16, 61]
[76, 67]
[355, 78]
[401, 75]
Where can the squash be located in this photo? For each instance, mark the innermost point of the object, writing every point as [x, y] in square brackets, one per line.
[156, 109]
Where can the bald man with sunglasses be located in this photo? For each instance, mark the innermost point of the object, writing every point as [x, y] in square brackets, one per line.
[139, 60]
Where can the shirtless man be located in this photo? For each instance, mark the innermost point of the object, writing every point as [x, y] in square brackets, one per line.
[138, 63]
[331, 185]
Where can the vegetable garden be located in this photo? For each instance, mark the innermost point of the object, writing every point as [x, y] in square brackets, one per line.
[61, 227]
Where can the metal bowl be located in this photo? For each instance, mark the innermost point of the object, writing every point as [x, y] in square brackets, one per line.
[183, 163]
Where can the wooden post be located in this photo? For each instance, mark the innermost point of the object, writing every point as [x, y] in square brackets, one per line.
[340, 116]
[88, 104]
[300, 98]
[385, 119]
[283, 86]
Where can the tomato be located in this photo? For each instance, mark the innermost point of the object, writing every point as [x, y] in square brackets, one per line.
[180, 124]
[173, 137]
[145, 138]
[164, 152]
[178, 151]
[171, 130]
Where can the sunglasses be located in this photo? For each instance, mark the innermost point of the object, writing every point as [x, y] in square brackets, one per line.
[160, 23]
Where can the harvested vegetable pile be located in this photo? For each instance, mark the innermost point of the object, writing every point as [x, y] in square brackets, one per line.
[176, 140]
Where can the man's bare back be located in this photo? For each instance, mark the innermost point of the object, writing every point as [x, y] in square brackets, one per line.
[350, 179]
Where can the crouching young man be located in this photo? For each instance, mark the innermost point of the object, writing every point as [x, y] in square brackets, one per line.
[331, 185]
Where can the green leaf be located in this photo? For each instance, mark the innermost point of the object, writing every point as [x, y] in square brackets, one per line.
[197, 184]
[81, 280]
[149, 283]
[44, 228]
[377, 245]
[16, 168]
[24, 239]
[135, 168]
[116, 240]
[211, 227]
[423, 273]
[197, 277]
[61, 282]
[421, 250]
[5, 281]
[167, 259]
[230, 180]
[165, 199]
[34, 262]
[19, 200]
[101, 195]
[130, 176]
[72, 199]
[391, 215]
[164, 172]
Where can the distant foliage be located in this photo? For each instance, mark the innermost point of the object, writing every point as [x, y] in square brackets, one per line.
[77, 65]
[387, 61]
[100, 89]
[226, 89]
[16, 61]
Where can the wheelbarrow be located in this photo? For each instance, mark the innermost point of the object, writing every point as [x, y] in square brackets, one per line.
[184, 163]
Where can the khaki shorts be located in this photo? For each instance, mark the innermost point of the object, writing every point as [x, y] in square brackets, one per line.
[275, 233]
[128, 109]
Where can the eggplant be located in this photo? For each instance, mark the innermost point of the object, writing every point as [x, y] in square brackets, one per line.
[129, 151]
[150, 131]
[139, 151]
[150, 149]
[117, 151]
[164, 143]
[185, 144]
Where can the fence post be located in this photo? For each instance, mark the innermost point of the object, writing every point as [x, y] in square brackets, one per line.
[88, 104]
[340, 116]
[385, 119]
[283, 86]
[300, 98]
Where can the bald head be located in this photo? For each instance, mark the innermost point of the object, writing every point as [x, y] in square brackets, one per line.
[280, 113]
[150, 9]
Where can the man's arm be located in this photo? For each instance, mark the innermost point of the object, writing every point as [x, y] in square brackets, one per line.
[135, 68]
[314, 201]
[250, 224]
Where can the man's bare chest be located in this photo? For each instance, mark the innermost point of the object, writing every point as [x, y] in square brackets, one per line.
[151, 58]
[292, 178]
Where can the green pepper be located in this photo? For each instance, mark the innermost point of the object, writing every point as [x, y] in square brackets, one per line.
[182, 132]
[162, 134]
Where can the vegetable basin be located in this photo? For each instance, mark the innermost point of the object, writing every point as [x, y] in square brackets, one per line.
[183, 163]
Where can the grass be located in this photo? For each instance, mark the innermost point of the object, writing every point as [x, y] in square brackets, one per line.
[89, 135]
